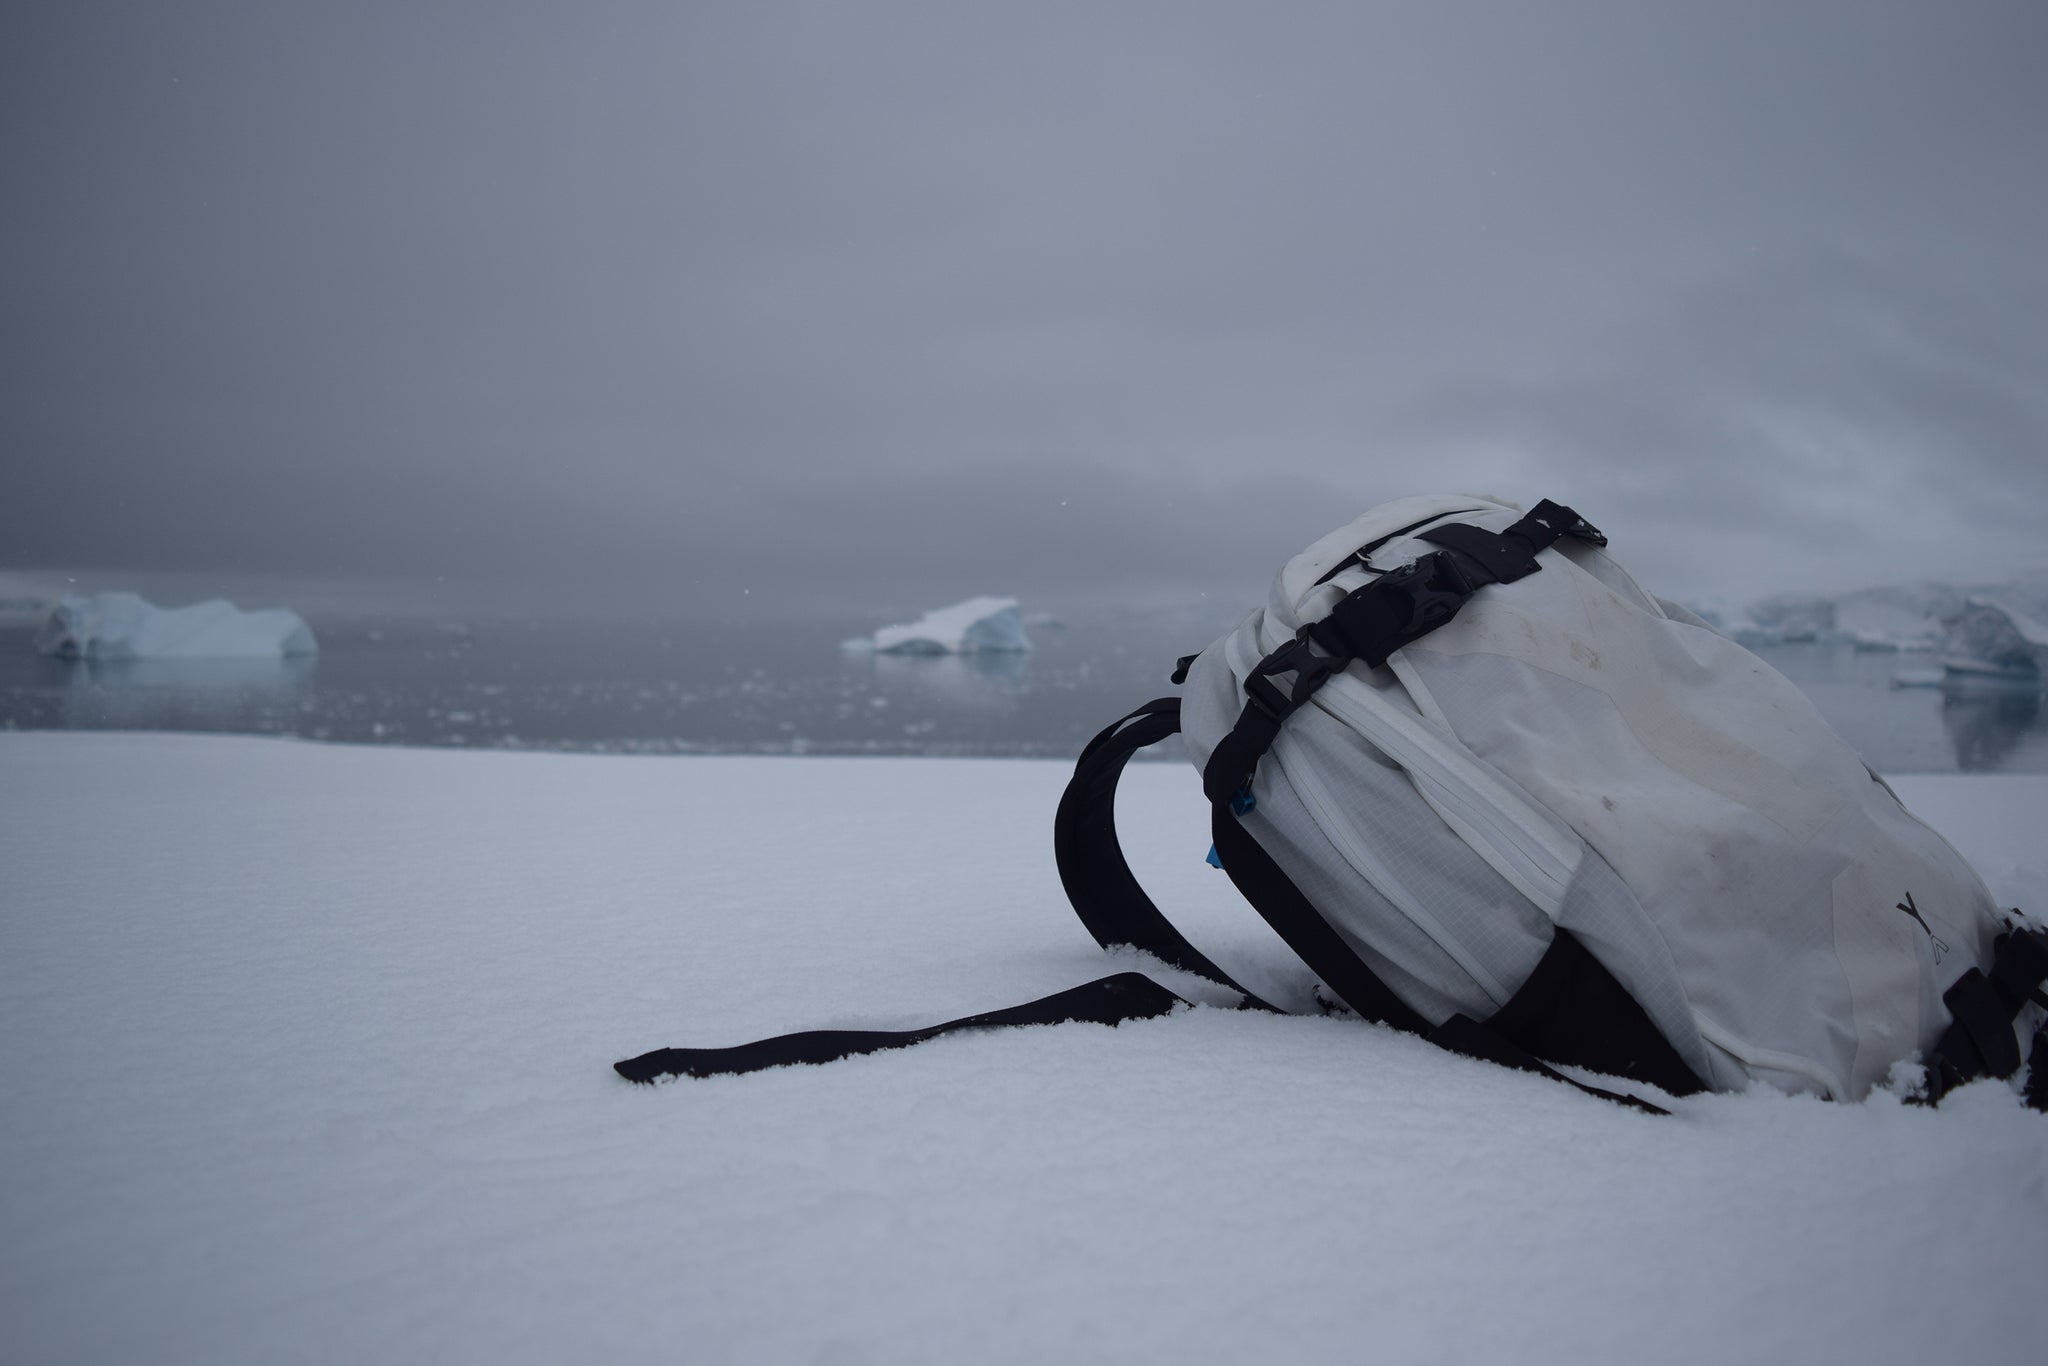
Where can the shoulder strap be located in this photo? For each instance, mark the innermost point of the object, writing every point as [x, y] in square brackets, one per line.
[1100, 885]
[1571, 1007]
[1280, 903]
[1108, 1000]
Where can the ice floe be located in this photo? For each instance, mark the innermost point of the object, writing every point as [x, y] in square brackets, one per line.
[981, 625]
[123, 626]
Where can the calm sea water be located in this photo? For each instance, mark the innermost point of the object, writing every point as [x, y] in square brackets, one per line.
[788, 688]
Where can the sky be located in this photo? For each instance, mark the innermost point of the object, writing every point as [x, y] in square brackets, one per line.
[732, 307]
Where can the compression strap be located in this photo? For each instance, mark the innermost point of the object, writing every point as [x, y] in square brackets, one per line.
[1398, 608]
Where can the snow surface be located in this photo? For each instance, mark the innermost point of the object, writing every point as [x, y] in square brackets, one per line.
[976, 626]
[308, 1059]
[123, 626]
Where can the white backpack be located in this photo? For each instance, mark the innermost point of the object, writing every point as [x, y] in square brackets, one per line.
[1493, 791]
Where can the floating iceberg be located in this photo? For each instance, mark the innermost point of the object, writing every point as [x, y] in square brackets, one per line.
[1997, 641]
[1902, 617]
[1786, 619]
[120, 626]
[976, 626]
[1906, 617]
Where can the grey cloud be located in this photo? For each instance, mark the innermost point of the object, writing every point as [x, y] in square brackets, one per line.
[1824, 421]
[832, 298]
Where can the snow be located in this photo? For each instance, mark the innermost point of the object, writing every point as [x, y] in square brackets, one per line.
[124, 626]
[308, 1058]
[981, 625]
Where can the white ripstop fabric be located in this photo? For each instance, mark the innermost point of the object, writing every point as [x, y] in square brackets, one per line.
[1569, 751]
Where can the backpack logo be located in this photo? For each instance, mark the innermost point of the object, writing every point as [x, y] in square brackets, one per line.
[1910, 909]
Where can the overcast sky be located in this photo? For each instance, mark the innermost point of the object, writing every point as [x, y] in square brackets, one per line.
[866, 301]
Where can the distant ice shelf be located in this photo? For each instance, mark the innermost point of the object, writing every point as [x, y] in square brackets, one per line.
[2001, 624]
[124, 626]
[981, 625]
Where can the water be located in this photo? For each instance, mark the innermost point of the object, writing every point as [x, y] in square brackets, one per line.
[1917, 729]
[788, 688]
[681, 687]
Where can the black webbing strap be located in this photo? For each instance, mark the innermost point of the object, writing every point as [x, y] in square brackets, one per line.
[1108, 1000]
[1465, 1036]
[1100, 885]
[1570, 1003]
[1503, 557]
[1980, 1041]
[1370, 623]
[2037, 1075]
[1571, 1009]
[1280, 903]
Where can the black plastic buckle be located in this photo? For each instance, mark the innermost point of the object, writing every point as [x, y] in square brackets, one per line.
[1429, 592]
[1310, 669]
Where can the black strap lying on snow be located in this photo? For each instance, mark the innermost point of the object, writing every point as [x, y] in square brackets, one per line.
[1108, 1000]
[1398, 608]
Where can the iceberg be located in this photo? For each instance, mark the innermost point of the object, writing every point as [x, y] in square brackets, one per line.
[977, 626]
[1787, 619]
[1997, 640]
[1898, 617]
[124, 626]
[1907, 617]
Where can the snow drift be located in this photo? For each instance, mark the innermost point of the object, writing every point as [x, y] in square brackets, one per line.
[124, 626]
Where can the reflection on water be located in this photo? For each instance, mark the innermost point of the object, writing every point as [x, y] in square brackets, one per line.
[178, 694]
[1989, 726]
[988, 678]
[668, 687]
[759, 687]
[1915, 729]
[202, 675]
